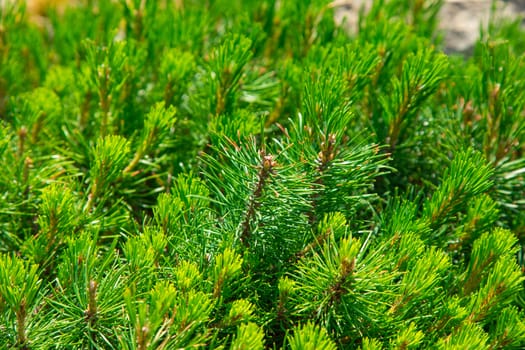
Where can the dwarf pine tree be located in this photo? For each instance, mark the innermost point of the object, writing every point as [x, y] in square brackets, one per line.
[248, 175]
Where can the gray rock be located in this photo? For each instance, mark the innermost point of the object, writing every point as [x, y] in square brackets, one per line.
[460, 20]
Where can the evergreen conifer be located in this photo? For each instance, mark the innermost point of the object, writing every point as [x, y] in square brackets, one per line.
[245, 174]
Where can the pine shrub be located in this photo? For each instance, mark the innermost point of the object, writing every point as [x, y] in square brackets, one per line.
[246, 175]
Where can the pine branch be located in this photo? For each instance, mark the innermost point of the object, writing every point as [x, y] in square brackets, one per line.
[266, 169]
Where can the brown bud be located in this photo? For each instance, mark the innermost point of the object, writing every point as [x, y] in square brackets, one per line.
[495, 92]
[268, 162]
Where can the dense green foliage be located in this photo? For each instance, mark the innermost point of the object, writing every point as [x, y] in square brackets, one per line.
[246, 174]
